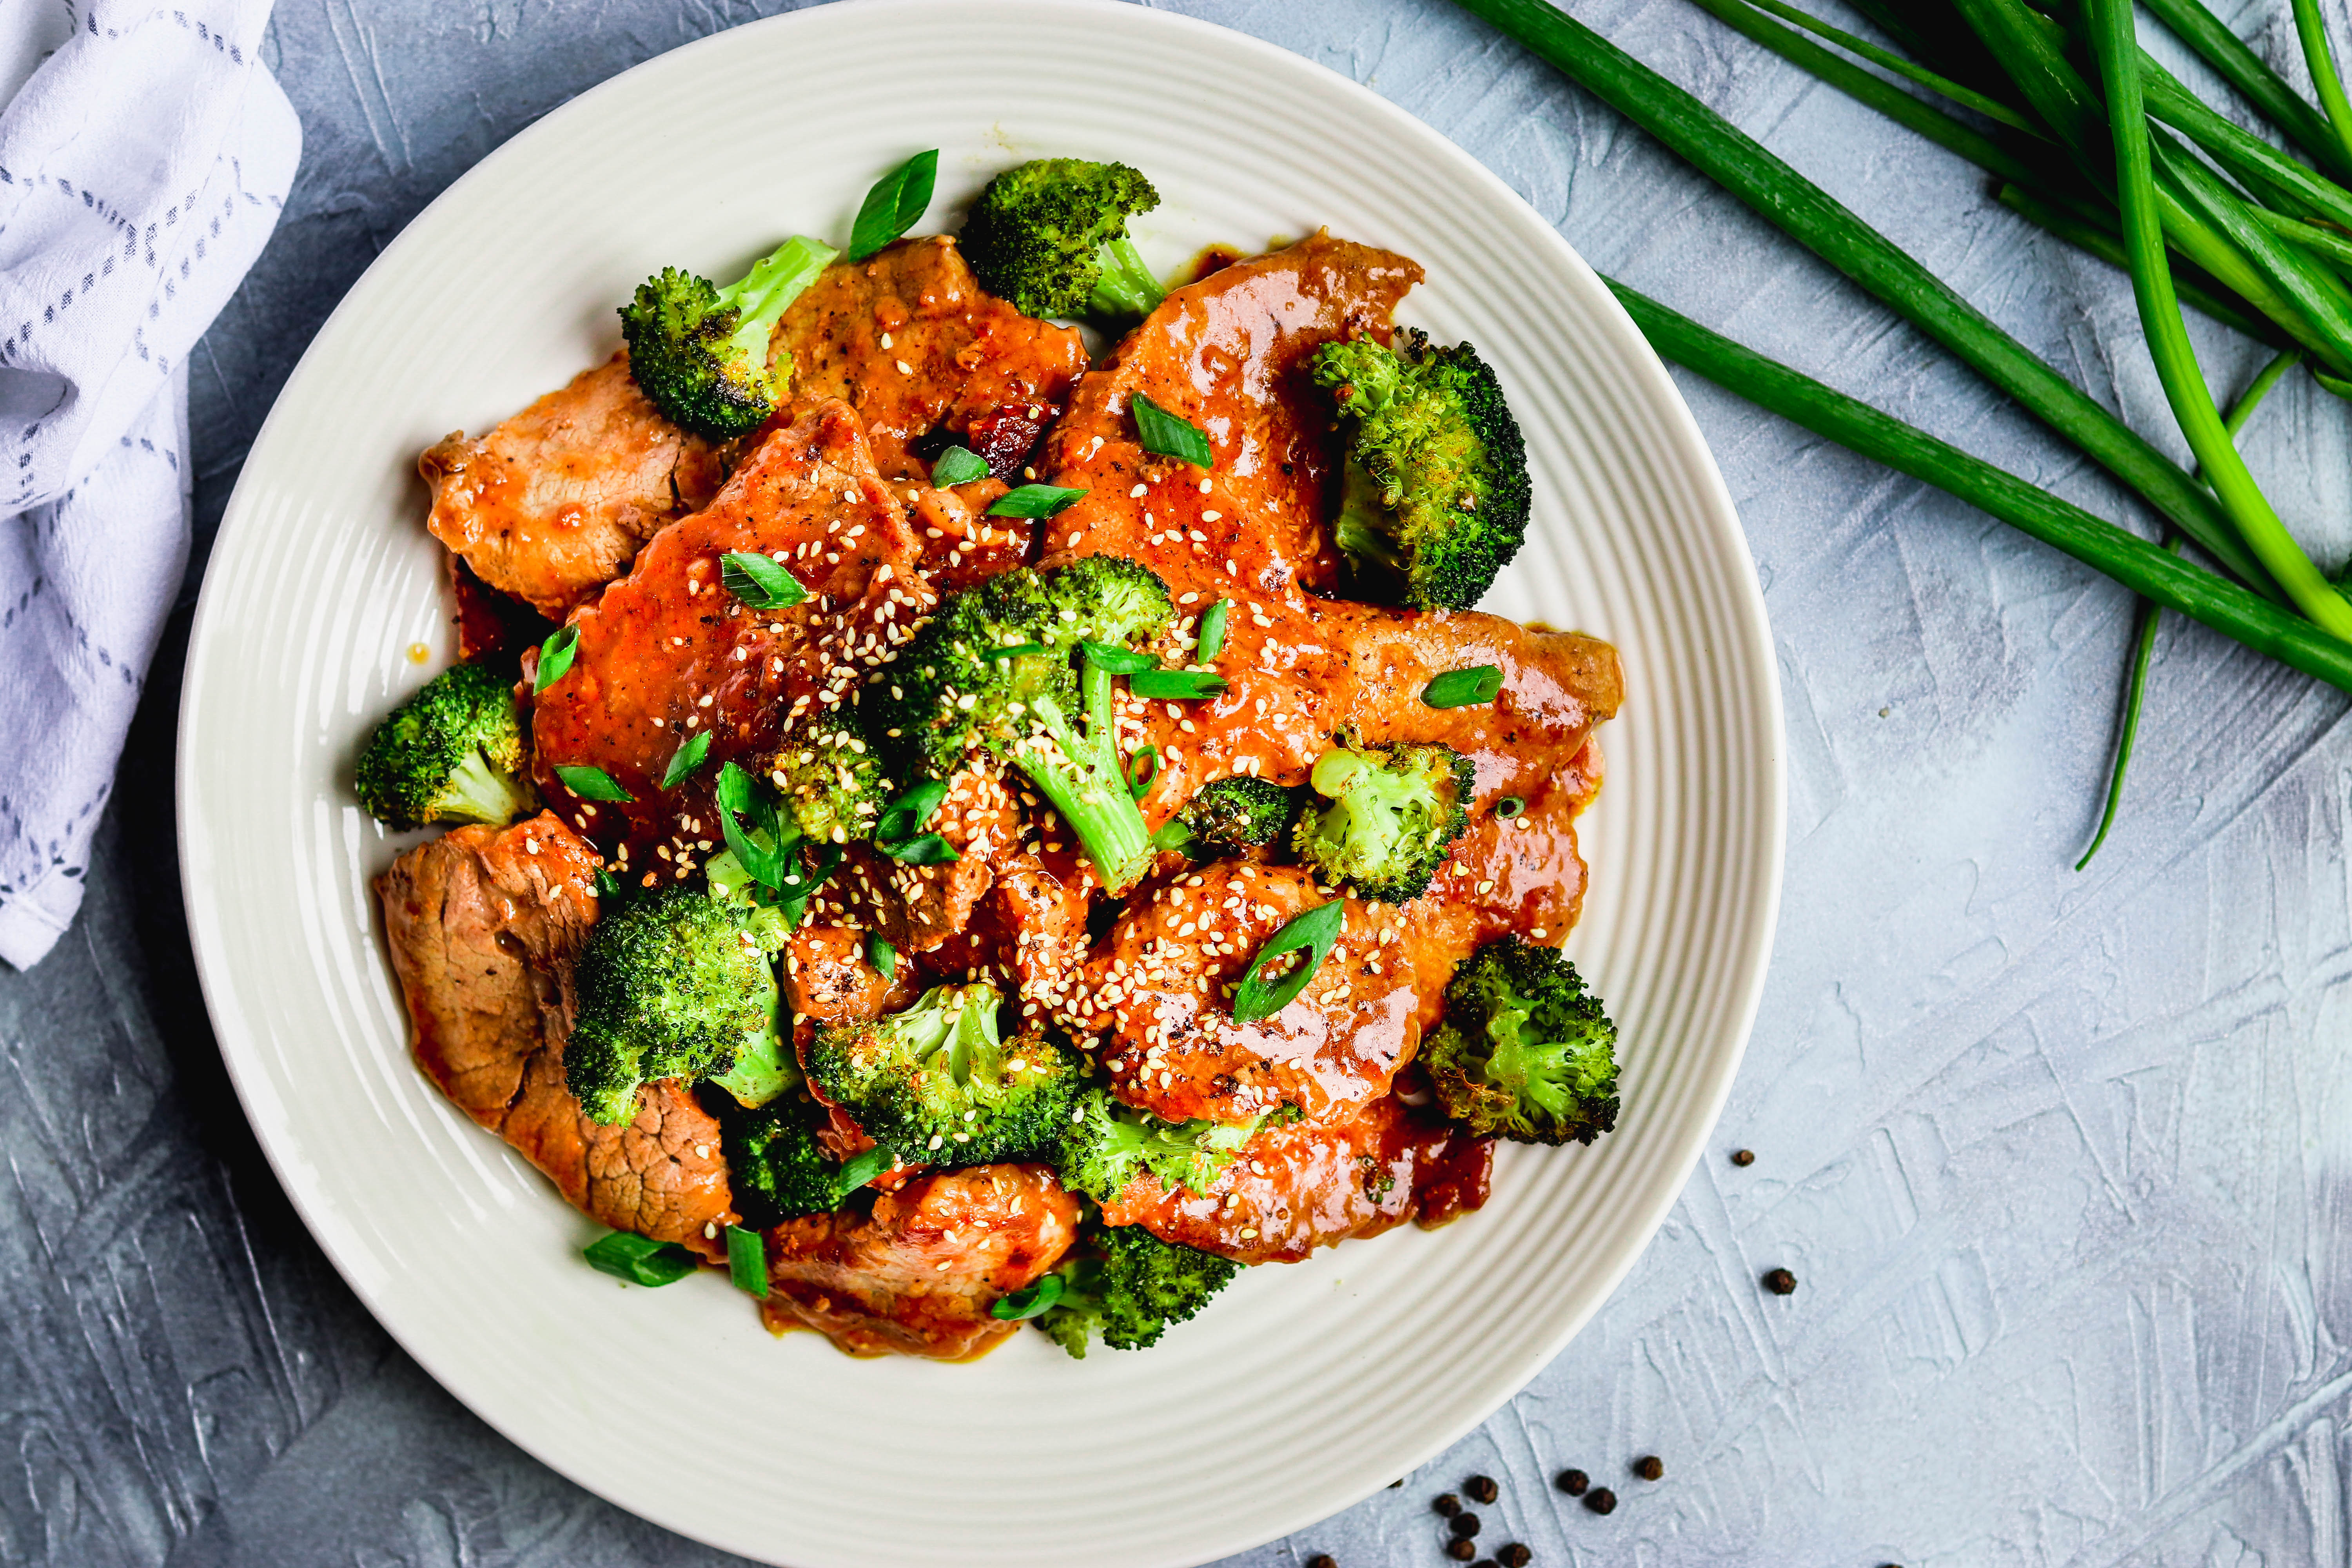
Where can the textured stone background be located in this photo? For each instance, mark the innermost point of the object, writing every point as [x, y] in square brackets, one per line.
[2060, 1159]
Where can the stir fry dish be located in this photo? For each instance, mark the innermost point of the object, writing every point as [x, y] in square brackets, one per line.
[957, 831]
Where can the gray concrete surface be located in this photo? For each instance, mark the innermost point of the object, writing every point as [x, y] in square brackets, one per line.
[2060, 1160]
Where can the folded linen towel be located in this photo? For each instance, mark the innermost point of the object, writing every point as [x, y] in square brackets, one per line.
[144, 161]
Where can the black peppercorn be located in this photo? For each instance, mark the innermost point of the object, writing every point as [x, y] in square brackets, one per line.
[1514, 1556]
[1322, 1560]
[1447, 1504]
[1743, 1156]
[1600, 1500]
[1460, 1551]
[1649, 1467]
[1572, 1482]
[1483, 1488]
[1464, 1525]
[1780, 1282]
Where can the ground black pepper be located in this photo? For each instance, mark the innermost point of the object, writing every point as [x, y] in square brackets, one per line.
[1460, 1551]
[1514, 1556]
[1780, 1282]
[1649, 1467]
[1447, 1504]
[1572, 1482]
[1743, 1156]
[1600, 1500]
[1464, 1525]
[1483, 1488]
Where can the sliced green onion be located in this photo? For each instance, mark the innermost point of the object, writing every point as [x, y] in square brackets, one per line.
[608, 885]
[958, 466]
[907, 814]
[1033, 501]
[800, 887]
[1509, 806]
[860, 1169]
[2116, 44]
[1029, 1300]
[1317, 931]
[893, 206]
[1175, 684]
[589, 782]
[881, 955]
[1114, 659]
[1166, 435]
[1212, 631]
[639, 1259]
[925, 849]
[1472, 688]
[686, 759]
[738, 799]
[555, 656]
[761, 582]
[1139, 779]
[746, 1260]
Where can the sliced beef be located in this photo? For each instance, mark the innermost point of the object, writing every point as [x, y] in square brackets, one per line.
[553, 504]
[918, 1272]
[915, 906]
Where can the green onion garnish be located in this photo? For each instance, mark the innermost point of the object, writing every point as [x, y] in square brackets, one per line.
[589, 782]
[1472, 688]
[1509, 806]
[746, 1260]
[1139, 777]
[1018, 650]
[881, 955]
[1316, 931]
[760, 581]
[770, 868]
[686, 759]
[1175, 684]
[800, 887]
[554, 657]
[958, 466]
[904, 815]
[1168, 435]
[638, 1259]
[927, 849]
[608, 885]
[1029, 1300]
[891, 207]
[1212, 631]
[1033, 501]
[1114, 659]
[860, 1169]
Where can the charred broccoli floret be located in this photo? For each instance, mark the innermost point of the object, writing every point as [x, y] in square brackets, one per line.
[1394, 811]
[938, 1083]
[1108, 1144]
[992, 672]
[453, 752]
[778, 1169]
[1050, 237]
[700, 352]
[1524, 1051]
[1239, 813]
[831, 780]
[1435, 495]
[1126, 1287]
[672, 985]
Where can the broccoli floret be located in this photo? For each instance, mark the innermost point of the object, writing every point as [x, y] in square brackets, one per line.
[1524, 1051]
[1051, 238]
[947, 696]
[1435, 495]
[672, 985]
[1128, 1287]
[1394, 811]
[777, 1167]
[938, 1083]
[453, 752]
[1240, 811]
[1108, 1143]
[700, 352]
[831, 779]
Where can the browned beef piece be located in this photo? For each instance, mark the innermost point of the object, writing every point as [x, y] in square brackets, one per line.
[553, 504]
[484, 925]
[917, 1273]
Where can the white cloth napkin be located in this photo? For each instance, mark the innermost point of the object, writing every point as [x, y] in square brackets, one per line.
[144, 161]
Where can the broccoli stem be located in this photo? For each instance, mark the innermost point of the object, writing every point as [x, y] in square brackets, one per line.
[1364, 530]
[1126, 287]
[1090, 791]
[765, 292]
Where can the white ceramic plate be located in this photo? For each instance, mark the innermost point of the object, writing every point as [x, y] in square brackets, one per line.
[1305, 1388]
